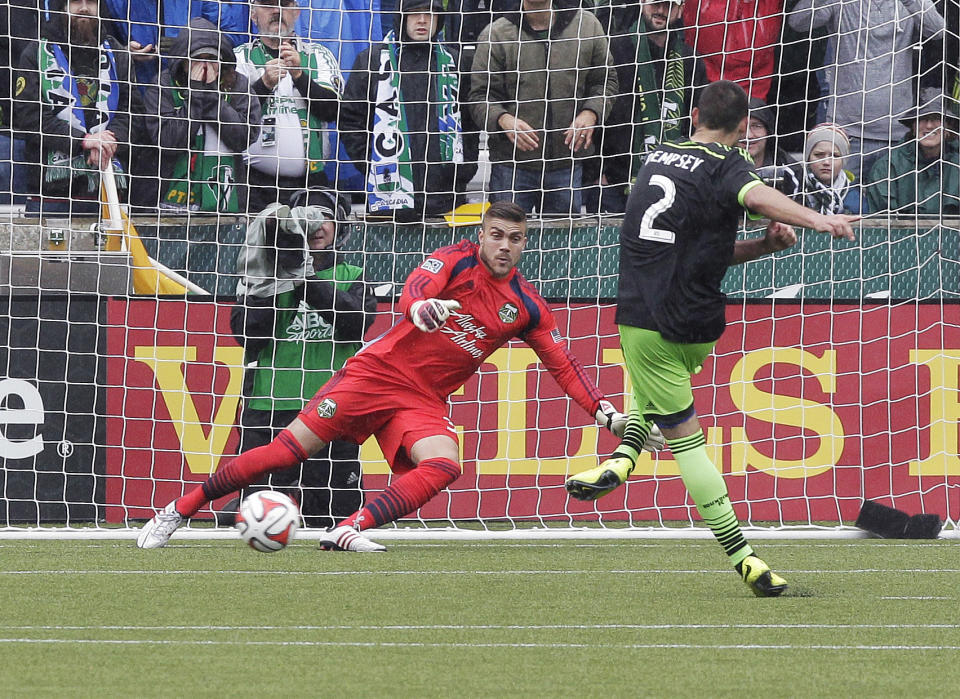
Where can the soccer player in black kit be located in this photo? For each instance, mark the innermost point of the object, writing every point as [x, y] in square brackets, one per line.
[678, 238]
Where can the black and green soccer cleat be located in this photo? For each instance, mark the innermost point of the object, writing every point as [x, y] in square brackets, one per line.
[759, 578]
[598, 481]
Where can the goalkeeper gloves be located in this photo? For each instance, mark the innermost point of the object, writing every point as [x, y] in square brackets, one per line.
[429, 315]
[611, 418]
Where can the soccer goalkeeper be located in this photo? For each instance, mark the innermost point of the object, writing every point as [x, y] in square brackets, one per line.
[460, 305]
[678, 238]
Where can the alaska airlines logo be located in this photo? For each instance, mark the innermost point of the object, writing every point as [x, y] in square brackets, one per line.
[308, 324]
[464, 331]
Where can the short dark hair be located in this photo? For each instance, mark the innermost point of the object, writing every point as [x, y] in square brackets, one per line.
[505, 211]
[723, 105]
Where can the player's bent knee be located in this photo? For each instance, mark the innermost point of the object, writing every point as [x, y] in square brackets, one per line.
[309, 442]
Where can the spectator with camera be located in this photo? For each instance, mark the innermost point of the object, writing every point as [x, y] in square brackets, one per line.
[72, 105]
[921, 175]
[203, 117]
[774, 165]
[301, 312]
[401, 119]
[299, 85]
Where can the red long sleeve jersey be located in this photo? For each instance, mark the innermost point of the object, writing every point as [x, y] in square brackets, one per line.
[492, 312]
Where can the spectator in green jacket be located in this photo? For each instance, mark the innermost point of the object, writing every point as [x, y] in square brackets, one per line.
[921, 175]
[301, 312]
[542, 81]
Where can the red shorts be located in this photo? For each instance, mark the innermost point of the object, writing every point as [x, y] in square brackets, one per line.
[353, 406]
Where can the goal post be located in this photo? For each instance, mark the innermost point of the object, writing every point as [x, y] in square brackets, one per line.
[837, 379]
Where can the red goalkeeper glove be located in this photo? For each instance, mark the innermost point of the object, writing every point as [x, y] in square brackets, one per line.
[429, 315]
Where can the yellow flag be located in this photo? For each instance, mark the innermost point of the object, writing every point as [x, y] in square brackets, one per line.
[147, 279]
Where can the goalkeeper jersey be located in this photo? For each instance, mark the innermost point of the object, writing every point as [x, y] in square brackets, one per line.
[492, 312]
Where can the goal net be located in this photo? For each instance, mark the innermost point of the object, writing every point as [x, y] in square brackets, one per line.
[132, 366]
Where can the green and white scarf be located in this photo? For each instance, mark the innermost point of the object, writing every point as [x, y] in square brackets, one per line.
[660, 118]
[312, 128]
[58, 87]
[204, 181]
[390, 175]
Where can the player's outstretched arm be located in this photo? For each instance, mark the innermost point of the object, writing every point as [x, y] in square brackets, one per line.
[779, 236]
[776, 206]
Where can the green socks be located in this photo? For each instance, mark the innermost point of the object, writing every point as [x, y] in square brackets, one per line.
[709, 492]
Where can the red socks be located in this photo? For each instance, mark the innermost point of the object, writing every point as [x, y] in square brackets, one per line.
[249, 467]
[406, 494]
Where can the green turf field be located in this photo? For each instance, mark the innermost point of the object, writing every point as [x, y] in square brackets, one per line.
[591, 619]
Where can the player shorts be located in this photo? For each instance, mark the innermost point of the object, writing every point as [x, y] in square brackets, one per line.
[351, 406]
[660, 372]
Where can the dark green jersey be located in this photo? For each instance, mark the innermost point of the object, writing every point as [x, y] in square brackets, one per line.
[677, 239]
[304, 354]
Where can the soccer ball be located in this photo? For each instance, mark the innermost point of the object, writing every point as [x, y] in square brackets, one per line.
[267, 520]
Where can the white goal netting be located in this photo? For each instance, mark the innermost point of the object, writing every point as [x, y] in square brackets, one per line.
[136, 148]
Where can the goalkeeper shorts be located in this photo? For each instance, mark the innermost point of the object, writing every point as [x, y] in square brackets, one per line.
[353, 405]
[660, 370]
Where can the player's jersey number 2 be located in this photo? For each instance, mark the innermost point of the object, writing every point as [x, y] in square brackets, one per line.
[647, 230]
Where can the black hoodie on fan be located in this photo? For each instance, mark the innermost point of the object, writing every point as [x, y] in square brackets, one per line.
[38, 124]
[437, 184]
[226, 106]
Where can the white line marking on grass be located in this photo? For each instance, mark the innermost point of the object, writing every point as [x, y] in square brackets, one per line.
[921, 598]
[479, 627]
[861, 571]
[415, 644]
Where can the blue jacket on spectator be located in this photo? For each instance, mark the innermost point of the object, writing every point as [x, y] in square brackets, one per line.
[141, 21]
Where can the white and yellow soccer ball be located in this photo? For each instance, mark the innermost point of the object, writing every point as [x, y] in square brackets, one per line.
[268, 520]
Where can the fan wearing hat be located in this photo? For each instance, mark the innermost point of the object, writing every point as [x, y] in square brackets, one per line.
[827, 186]
[299, 85]
[301, 312]
[203, 117]
[72, 104]
[921, 174]
[402, 122]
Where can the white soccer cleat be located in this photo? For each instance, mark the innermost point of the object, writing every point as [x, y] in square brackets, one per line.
[655, 440]
[157, 531]
[346, 538]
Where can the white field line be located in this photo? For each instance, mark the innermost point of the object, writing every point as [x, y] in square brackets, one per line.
[416, 644]
[23, 544]
[478, 627]
[324, 573]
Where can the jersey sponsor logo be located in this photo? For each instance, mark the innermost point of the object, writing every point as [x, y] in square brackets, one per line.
[432, 265]
[465, 331]
[308, 325]
[508, 313]
[327, 408]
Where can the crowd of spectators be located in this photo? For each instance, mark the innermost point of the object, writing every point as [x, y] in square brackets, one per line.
[413, 107]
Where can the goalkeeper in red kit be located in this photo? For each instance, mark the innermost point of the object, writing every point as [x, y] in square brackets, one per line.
[460, 305]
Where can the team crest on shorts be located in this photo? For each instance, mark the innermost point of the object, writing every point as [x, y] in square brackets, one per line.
[327, 408]
[508, 313]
